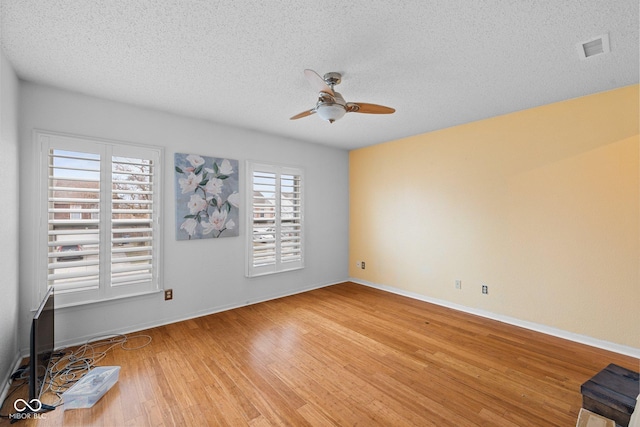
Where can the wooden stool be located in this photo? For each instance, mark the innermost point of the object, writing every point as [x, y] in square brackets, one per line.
[612, 393]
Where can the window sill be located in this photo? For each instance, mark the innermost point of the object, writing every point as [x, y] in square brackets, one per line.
[268, 273]
[98, 301]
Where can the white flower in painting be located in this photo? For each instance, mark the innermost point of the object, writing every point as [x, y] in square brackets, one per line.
[230, 225]
[225, 168]
[190, 183]
[196, 204]
[189, 225]
[207, 227]
[214, 186]
[234, 199]
[216, 221]
[195, 160]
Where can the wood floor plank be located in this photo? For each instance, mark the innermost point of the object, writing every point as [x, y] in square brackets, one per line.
[343, 355]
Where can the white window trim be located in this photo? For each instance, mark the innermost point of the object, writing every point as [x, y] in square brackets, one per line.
[278, 266]
[105, 292]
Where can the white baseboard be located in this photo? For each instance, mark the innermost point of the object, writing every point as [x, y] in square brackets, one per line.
[582, 339]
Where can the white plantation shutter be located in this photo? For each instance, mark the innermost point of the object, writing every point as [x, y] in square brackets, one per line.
[290, 218]
[73, 217]
[102, 224]
[275, 219]
[264, 225]
[132, 242]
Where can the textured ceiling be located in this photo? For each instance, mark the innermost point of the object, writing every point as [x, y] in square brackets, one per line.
[440, 63]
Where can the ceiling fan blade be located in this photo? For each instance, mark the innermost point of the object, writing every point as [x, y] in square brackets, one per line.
[362, 107]
[317, 82]
[303, 114]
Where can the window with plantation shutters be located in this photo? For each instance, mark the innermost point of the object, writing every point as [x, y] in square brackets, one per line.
[100, 221]
[275, 219]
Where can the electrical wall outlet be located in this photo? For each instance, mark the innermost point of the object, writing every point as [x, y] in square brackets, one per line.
[362, 265]
[168, 294]
[458, 284]
[485, 289]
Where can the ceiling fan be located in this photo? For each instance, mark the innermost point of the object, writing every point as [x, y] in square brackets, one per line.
[331, 106]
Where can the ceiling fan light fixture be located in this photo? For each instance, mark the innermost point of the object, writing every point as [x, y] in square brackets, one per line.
[330, 111]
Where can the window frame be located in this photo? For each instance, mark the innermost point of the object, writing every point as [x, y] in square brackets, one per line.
[109, 151]
[278, 266]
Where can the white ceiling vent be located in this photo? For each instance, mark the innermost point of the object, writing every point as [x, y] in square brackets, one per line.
[593, 47]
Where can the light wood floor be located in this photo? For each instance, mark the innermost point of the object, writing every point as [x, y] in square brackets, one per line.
[345, 355]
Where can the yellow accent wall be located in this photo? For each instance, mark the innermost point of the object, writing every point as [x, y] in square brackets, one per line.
[541, 205]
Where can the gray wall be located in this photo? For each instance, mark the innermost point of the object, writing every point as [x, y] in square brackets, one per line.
[206, 275]
[9, 224]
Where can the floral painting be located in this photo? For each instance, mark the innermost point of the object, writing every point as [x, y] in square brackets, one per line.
[206, 197]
